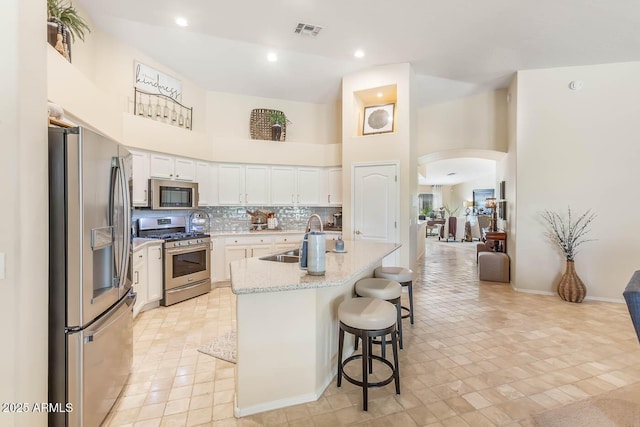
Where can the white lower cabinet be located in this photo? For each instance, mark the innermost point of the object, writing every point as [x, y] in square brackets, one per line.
[237, 248]
[147, 275]
[139, 277]
[154, 272]
[287, 243]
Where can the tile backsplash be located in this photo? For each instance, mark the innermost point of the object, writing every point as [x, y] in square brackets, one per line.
[236, 218]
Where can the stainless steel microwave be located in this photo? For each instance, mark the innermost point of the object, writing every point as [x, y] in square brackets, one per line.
[166, 194]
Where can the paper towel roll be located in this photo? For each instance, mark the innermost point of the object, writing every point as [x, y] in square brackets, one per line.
[316, 254]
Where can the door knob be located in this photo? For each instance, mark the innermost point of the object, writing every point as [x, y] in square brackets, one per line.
[358, 232]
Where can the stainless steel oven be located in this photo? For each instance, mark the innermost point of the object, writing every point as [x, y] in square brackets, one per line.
[187, 269]
[187, 258]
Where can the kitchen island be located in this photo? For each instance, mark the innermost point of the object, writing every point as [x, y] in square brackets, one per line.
[287, 325]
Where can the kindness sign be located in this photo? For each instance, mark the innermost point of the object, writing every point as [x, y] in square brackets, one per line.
[150, 80]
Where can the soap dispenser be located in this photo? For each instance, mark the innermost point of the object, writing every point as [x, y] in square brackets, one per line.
[340, 244]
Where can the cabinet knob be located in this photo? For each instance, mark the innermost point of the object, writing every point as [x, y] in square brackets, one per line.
[145, 195]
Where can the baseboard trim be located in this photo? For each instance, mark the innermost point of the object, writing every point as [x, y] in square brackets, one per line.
[549, 293]
[275, 404]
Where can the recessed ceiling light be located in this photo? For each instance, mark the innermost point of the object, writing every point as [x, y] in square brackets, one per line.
[379, 94]
[272, 57]
[359, 53]
[182, 22]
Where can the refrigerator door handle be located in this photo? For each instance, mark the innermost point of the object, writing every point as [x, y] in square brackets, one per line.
[126, 220]
[113, 181]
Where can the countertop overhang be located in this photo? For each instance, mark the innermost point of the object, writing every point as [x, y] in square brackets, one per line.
[274, 232]
[253, 275]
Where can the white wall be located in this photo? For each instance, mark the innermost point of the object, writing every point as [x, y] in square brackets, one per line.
[23, 218]
[387, 147]
[506, 171]
[473, 122]
[579, 149]
[97, 89]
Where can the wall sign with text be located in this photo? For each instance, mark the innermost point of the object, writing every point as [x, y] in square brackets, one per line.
[152, 81]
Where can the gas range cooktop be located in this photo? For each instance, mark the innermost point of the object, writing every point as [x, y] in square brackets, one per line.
[172, 237]
[169, 229]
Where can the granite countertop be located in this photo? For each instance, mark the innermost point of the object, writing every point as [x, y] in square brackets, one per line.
[253, 275]
[262, 232]
[139, 242]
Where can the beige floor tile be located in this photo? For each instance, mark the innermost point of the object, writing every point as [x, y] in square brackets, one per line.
[199, 416]
[478, 354]
[147, 412]
[176, 406]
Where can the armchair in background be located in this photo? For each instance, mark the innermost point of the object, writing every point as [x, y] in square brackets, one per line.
[453, 228]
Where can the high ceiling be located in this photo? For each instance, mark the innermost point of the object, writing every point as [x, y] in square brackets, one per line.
[456, 47]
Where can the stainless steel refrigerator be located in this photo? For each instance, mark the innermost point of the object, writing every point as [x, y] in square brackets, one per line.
[90, 296]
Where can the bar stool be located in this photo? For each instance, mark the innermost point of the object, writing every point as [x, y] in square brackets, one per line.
[388, 290]
[367, 318]
[402, 275]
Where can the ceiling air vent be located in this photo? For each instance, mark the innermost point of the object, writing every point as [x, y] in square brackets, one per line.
[307, 29]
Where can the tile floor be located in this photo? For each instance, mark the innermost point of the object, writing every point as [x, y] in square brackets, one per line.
[479, 354]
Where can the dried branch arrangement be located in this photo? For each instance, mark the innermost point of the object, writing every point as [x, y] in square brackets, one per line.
[567, 233]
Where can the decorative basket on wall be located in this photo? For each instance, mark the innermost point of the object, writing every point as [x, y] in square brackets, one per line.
[260, 125]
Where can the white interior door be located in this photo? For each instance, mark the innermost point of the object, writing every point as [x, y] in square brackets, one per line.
[375, 208]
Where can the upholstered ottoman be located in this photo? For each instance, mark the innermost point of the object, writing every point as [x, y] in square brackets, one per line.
[493, 266]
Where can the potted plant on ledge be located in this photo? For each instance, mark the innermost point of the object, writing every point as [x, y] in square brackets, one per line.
[278, 120]
[568, 235]
[64, 22]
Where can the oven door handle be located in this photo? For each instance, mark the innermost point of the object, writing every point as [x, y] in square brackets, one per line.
[186, 249]
[184, 288]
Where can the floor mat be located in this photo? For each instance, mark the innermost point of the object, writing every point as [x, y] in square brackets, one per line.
[222, 347]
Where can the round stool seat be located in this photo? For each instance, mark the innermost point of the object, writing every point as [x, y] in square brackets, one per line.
[378, 288]
[399, 274]
[367, 313]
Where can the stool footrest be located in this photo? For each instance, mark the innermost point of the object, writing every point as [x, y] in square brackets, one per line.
[360, 383]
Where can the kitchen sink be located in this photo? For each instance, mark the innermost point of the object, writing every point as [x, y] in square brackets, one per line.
[294, 254]
[281, 258]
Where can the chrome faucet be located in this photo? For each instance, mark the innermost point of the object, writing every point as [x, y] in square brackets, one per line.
[309, 222]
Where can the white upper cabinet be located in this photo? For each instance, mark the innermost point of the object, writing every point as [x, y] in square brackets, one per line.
[283, 185]
[207, 179]
[140, 178]
[185, 169]
[256, 185]
[309, 186]
[230, 185]
[169, 167]
[334, 186]
[238, 184]
[161, 166]
[243, 184]
[295, 186]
